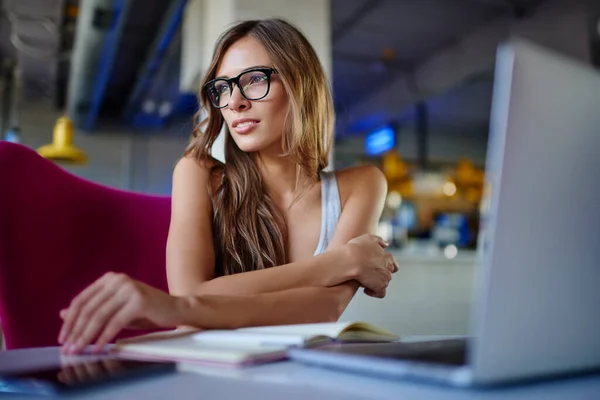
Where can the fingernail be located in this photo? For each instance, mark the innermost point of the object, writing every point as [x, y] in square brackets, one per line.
[62, 337]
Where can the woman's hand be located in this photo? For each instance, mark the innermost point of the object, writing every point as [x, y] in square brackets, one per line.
[112, 303]
[372, 265]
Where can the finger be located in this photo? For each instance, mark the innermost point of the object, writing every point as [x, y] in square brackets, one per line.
[97, 314]
[63, 313]
[389, 264]
[386, 278]
[97, 321]
[93, 370]
[81, 372]
[67, 375]
[89, 314]
[62, 377]
[112, 366]
[119, 321]
[392, 264]
[70, 315]
[380, 241]
[377, 294]
[76, 303]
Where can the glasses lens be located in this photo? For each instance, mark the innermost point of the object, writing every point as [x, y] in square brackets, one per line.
[254, 84]
[219, 93]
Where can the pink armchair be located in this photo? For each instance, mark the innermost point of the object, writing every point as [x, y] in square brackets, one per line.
[59, 233]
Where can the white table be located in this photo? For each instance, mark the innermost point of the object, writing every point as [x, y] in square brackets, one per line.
[289, 381]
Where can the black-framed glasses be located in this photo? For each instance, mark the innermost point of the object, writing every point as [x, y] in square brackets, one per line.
[254, 84]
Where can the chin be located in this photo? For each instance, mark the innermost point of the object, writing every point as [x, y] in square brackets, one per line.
[249, 144]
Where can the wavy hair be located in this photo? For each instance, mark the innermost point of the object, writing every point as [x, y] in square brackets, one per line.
[248, 229]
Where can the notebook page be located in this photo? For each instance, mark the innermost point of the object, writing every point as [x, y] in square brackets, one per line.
[241, 338]
[330, 329]
[185, 348]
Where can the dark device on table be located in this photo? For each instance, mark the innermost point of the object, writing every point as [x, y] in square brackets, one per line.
[79, 376]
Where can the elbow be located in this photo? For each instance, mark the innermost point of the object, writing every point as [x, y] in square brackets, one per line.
[333, 302]
[336, 308]
[335, 313]
[330, 311]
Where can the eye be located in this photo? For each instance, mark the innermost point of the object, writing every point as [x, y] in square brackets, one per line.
[258, 78]
[221, 88]
[253, 78]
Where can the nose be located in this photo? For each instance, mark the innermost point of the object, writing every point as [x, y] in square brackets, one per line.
[237, 102]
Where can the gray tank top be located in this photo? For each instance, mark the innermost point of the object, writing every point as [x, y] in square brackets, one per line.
[331, 209]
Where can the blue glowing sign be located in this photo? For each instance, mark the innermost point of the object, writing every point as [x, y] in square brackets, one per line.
[380, 141]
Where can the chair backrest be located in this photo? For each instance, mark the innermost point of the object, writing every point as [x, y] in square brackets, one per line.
[59, 233]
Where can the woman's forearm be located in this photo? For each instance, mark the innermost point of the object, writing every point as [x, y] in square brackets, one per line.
[294, 306]
[327, 269]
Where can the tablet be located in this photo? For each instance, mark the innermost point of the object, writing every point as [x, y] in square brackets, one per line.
[80, 376]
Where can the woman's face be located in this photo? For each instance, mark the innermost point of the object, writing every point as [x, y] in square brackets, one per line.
[255, 125]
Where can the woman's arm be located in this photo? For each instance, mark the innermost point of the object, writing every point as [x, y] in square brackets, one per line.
[190, 252]
[324, 270]
[294, 306]
[363, 191]
[115, 302]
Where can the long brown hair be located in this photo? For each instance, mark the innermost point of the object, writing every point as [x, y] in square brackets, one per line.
[247, 227]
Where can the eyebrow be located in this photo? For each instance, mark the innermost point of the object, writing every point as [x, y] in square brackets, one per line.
[245, 70]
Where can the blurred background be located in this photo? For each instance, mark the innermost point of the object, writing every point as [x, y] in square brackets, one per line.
[412, 83]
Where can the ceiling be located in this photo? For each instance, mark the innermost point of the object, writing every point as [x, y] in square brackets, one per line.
[374, 42]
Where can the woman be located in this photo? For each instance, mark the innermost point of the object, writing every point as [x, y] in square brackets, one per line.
[272, 204]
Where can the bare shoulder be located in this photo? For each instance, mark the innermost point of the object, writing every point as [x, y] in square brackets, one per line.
[189, 165]
[191, 172]
[361, 179]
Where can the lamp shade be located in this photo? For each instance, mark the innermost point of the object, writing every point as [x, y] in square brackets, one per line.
[61, 149]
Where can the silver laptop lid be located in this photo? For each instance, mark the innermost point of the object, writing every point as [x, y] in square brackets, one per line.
[537, 307]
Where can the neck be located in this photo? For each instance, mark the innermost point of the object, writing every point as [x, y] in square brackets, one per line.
[280, 177]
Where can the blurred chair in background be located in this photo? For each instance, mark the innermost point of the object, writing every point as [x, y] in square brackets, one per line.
[59, 233]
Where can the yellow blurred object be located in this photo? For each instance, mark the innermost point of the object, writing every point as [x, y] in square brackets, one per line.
[406, 188]
[479, 176]
[72, 11]
[61, 149]
[464, 172]
[473, 195]
[394, 167]
[469, 180]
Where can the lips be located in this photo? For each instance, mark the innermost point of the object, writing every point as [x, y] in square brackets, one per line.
[244, 125]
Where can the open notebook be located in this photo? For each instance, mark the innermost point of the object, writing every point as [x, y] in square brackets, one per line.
[247, 345]
[302, 335]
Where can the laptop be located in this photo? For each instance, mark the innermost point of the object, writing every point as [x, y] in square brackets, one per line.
[537, 288]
